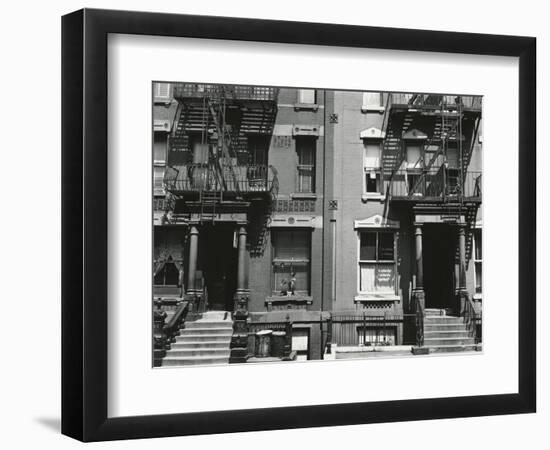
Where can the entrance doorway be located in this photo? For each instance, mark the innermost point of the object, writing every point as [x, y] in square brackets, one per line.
[218, 263]
[439, 243]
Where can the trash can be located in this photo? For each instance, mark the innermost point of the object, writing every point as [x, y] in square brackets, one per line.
[278, 344]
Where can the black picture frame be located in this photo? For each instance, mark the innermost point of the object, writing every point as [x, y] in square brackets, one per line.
[84, 224]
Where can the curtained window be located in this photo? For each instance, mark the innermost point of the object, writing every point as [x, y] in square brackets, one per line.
[376, 261]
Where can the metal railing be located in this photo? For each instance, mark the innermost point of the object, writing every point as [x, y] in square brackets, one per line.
[164, 333]
[431, 101]
[439, 182]
[356, 329]
[197, 90]
[471, 319]
[420, 314]
[209, 177]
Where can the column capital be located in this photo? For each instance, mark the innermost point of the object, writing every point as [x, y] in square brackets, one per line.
[418, 224]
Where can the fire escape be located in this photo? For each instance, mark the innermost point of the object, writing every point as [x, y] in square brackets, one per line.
[209, 171]
[440, 180]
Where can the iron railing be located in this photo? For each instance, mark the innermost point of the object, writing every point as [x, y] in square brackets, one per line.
[363, 329]
[440, 183]
[431, 101]
[210, 177]
[164, 333]
[471, 319]
[196, 90]
[419, 314]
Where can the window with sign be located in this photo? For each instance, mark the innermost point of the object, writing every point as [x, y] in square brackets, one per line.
[291, 261]
[376, 262]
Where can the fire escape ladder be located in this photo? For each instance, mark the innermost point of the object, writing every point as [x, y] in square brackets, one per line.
[225, 142]
[209, 200]
[440, 139]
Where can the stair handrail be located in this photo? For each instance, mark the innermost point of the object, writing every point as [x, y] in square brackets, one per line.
[419, 315]
[168, 332]
[470, 318]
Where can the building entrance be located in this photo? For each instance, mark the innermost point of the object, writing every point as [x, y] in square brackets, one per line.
[439, 249]
[218, 264]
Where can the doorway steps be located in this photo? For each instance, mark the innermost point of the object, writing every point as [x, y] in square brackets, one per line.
[202, 342]
[446, 333]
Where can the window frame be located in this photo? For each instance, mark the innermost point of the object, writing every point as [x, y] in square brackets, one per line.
[367, 170]
[160, 164]
[477, 229]
[392, 292]
[162, 98]
[312, 167]
[371, 107]
[303, 92]
[275, 291]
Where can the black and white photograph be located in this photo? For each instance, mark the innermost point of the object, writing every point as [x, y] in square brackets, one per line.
[313, 224]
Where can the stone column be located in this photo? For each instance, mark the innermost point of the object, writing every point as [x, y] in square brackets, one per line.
[419, 264]
[193, 254]
[462, 291]
[418, 291]
[462, 257]
[239, 339]
[241, 266]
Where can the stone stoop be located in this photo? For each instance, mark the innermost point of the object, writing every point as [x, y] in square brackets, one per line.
[202, 342]
[446, 333]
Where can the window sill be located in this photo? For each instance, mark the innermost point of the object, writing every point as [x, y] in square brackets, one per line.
[304, 195]
[373, 196]
[278, 302]
[478, 297]
[378, 109]
[376, 297]
[306, 106]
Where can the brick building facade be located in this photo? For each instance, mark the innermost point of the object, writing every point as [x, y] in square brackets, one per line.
[340, 212]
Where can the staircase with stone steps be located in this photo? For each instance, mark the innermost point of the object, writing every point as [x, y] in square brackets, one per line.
[202, 342]
[446, 333]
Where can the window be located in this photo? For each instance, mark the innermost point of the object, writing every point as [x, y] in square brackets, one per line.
[257, 150]
[159, 147]
[452, 155]
[167, 275]
[306, 96]
[371, 167]
[372, 101]
[478, 259]
[291, 261]
[376, 261]
[305, 148]
[414, 160]
[199, 147]
[162, 91]
[376, 335]
[160, 142]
